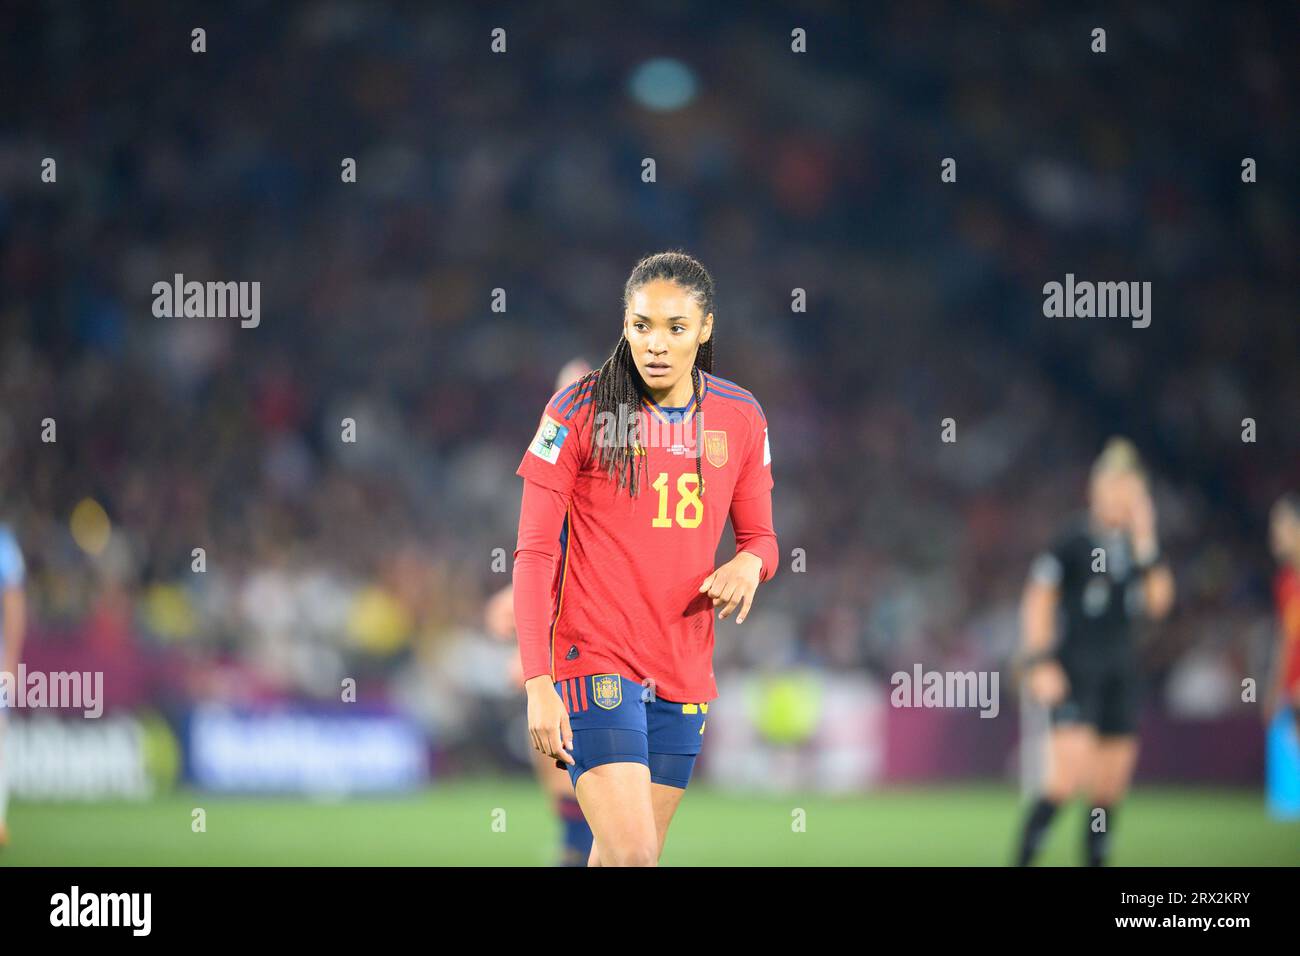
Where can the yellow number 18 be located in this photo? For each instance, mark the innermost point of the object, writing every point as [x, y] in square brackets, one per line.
[688, 491]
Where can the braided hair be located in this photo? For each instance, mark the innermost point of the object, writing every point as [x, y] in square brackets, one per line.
[617, 385]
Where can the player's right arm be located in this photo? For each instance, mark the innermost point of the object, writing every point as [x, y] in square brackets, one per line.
[549, 468]
[1042, 595]
[1157, 578]
[541, 516]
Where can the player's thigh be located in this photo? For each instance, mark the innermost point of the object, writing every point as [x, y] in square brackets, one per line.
[609, 725]
[616, 800]
[1071, 747]
[675, 735]
[1117, 719]
[1074, 731]
[611, 769]
[674, 738]
[1113, 767]
[665, 800]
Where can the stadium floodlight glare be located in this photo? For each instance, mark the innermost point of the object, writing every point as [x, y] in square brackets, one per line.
[663, 84]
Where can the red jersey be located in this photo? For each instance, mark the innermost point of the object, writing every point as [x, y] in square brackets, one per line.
[625, 590]
[1287, 591]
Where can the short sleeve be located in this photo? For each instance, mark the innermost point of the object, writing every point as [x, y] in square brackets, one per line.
[12, 569]
[756, 471]
[1047, 569]
[557, 451]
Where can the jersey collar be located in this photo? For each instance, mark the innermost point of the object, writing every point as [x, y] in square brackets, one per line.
[676, 415]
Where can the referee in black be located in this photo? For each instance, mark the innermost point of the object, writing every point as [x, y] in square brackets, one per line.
[1102, 574]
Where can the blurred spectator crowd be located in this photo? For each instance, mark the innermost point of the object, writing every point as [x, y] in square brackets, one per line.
[522, 172]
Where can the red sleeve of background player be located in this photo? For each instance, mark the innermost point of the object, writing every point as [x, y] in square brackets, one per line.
[541, 516]
[751, 504]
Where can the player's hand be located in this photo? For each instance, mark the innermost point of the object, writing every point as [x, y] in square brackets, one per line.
[1048, 683]
[734, 584]
[548, 720]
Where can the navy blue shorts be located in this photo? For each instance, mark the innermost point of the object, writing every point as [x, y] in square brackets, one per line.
[615, 720]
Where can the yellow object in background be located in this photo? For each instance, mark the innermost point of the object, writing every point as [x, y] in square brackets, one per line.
[378, 622]
[169, 613]
[788, 707]
[90, 526]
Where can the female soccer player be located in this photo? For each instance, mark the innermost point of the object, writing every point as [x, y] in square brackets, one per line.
[1103, 573]
[627, 485]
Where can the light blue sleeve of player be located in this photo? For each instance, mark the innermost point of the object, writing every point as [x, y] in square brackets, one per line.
[12, 569]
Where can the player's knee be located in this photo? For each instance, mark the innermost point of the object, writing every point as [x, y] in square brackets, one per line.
[1060, 786]
[1105, 796]
[630, 853]
[1058, 794]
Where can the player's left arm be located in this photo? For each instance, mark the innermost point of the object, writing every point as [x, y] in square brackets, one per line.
[735, 583]
[1158, 579]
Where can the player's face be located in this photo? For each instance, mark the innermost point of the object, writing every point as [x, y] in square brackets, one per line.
[1284, 534]
[1111, 497]
[665, 329]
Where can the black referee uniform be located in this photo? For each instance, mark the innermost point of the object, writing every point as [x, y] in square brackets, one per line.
[1101, 597]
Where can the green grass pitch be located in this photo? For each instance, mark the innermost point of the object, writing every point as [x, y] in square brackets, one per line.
[453, 824]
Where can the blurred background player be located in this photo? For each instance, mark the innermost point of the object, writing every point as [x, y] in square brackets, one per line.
[13, 621]
[1282, 698]
[1103, 573]
[555, 782]
[1284, 536]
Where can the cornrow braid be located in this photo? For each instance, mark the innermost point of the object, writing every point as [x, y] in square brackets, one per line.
[616, 387]
[703, 362]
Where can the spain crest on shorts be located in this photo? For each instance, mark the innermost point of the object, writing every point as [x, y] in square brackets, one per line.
[715, 447]
[607, 690]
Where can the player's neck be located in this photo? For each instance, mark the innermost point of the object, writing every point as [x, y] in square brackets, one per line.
[677, 395]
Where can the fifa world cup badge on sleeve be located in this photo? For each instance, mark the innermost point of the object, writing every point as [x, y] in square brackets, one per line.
[549, 440]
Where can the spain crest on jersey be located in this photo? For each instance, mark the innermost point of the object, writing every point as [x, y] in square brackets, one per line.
[607, 690]
[715, 447]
